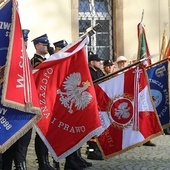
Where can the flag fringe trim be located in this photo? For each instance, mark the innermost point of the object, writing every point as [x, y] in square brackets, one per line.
[19, 134]
[150, 95]
[3, 3]
[166, 126]
[155, 64]
[71, 150]
[128, 148]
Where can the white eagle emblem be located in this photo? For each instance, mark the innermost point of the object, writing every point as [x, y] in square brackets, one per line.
[122, 111]
[75, 94]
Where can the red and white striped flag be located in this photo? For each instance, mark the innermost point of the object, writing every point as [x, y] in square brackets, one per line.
[127, 113]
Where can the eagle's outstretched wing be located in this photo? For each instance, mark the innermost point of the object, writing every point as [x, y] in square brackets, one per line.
[72, 81]
[83, 100]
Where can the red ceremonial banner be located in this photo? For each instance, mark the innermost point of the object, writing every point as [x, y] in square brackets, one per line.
[19, 90]
[68, 101]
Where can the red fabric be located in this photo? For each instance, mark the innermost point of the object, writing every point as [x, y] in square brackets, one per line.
[167, 52]
[66, 129]
[19, 87]
[110, 141]
[148, 120]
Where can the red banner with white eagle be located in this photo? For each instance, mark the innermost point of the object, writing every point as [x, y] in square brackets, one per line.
[68, 101]
[127, 112]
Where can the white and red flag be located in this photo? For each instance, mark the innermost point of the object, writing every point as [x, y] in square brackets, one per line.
[127, 113]
[68, 101]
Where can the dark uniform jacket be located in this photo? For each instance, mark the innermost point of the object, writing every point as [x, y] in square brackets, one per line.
[36, 60]
[96, 73]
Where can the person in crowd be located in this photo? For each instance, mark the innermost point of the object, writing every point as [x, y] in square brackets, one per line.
[74, 161]
[25, 33]
[121, 62]
[95, 64]
[41, 45]
[134, 59]
[59, 45]
[18, 151]
[109, 67]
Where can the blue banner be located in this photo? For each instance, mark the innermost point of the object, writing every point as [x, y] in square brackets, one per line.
[13, 123]
[158, 80]
[5, 27]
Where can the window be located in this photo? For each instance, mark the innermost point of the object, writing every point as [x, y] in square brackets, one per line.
[92, 12]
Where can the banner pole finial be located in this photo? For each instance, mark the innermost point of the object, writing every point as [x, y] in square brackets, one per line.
[142, 16]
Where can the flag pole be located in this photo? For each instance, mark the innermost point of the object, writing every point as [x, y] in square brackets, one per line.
[142, 16]
[89, 32]
[164, 43]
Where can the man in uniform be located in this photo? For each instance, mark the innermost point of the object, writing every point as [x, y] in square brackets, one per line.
[18, 150]
[74, 161]
[41, 45]
[59, 45]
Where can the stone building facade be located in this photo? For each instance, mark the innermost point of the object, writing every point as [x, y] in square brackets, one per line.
[62, 20]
